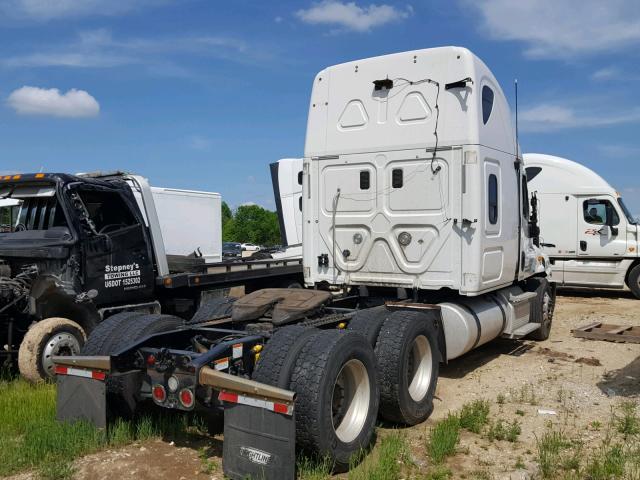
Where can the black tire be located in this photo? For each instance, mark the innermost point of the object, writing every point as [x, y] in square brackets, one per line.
[278, 358]
[542, 307]
[406, 395]
[101, 338]
[141, 327]
[329, 359]
[368, 322]
[213, 309]
[115, 334]
[633, 281]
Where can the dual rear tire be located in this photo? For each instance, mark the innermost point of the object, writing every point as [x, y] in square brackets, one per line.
[342, 384]
[334, 375]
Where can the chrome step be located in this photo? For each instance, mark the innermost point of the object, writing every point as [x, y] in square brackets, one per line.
[524, 330]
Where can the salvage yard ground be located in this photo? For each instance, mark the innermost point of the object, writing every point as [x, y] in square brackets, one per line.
[565, 408]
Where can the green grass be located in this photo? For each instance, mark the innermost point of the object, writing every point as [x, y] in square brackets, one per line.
[501, 430]
[386, 462]
[313, 469]
[474, 416]
[626, 418]
[444, 438]
[32, 439]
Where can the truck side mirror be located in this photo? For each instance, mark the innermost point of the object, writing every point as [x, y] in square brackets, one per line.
[610, 220]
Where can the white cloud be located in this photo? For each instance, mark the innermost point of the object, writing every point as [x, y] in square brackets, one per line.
[43, 10]
[50, 102]
[548, 117]
[350, 16]
[620, 151]
[553, 29]
[606, 73]
[200, 143]
[99, 49]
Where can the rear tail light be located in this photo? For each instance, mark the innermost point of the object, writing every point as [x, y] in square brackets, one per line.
[186, 398]
[159, 394]
[151, 360]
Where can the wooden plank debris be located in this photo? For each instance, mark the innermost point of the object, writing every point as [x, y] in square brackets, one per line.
[608, 332]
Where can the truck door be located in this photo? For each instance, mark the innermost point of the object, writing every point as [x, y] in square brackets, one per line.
[117, 259]
[602, 229]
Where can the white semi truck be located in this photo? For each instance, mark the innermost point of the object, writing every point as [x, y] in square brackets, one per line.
[415, 207]
[286, 177]
[588, 232]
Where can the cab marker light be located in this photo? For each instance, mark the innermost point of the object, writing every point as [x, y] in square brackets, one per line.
[17, 177]
[39, 175]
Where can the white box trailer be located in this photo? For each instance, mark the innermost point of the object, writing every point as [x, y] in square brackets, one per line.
[587, 230]
[191, 222]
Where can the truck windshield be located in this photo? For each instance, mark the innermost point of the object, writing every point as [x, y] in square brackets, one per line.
[630, 218]
[30, 208]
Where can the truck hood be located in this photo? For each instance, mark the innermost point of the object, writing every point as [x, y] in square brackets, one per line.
[52, 243]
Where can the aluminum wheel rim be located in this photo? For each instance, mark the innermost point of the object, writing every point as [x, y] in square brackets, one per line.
[546, 307]
[60, 344]
[420, 368]
[350, 400]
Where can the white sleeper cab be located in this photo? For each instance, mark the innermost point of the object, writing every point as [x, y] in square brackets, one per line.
[588, 232]
[412, 181]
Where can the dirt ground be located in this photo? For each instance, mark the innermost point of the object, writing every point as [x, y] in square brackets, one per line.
[567, 381]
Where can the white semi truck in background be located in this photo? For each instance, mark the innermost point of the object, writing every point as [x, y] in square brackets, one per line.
[419, 245]
[588, 232]
[286, 177]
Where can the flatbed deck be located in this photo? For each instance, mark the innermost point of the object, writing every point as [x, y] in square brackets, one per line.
[228, 274]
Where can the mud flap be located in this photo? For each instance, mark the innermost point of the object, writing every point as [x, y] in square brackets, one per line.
[81, 398]
[258, 443]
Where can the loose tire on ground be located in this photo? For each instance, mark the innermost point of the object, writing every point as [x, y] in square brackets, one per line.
[368, 322]
[634, 281]
[277, 360]
[47, 338]
[542, 307]
[336, 383]
[409, 364]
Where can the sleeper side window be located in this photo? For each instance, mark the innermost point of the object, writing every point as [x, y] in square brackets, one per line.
[300, 177]
[493, 199]
[487, 103]
[397, 179]
[365, 180]
[525, 198]
[596, 212]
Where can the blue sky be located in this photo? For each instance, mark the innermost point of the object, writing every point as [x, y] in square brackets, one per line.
[204, 94]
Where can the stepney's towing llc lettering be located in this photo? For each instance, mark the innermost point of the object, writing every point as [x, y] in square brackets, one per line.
[127, 276]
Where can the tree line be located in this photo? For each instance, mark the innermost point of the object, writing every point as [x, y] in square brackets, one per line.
[250, 224]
